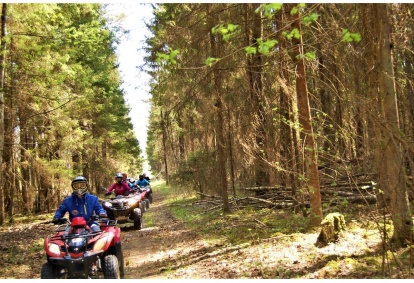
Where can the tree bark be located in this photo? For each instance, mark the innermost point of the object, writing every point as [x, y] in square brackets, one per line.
[220, 108]
[310, 166]
[2, 78]
[164, 145]
[392, 172]
[255, 73]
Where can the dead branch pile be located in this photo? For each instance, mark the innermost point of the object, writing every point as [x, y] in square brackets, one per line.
[359, 190]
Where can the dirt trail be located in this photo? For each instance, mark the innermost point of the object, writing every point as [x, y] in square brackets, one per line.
[165, 249]
[151, 251]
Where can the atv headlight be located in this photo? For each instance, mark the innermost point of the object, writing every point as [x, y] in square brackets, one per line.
[131, 201]
[99, 244]
[53, 248]
[107, 204]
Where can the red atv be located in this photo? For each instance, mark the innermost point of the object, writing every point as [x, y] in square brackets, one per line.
[77, 252]
[148, 194]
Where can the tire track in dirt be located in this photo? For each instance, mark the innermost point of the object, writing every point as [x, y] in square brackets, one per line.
[151, 251]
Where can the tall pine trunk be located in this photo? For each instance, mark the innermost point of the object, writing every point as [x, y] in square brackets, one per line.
[310, 163]
[392, 177]
[2, 78]
[220, 109]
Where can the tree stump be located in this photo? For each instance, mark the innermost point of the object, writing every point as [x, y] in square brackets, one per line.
[331, 226]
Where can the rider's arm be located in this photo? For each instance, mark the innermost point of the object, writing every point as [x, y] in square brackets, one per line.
[60, 212]
[128, 188]
[97, 207]
[111, 188]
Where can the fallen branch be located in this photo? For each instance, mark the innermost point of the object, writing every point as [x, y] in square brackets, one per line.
[262, 200]
[209, 196]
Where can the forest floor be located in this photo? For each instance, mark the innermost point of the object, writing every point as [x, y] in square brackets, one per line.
[177, 242]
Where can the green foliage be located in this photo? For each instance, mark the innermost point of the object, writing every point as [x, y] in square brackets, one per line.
[227, 31]
[295, 33]
[266, 46]
[210, 61]
[269, 10]
[169, 58]
[68, 85]
[307, 20]
[348, 36]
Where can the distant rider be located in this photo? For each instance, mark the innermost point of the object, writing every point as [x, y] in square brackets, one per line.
[146, 177]
[125, 177]
[132, 184]
[119, 186]
[142, 182]
[80, 203]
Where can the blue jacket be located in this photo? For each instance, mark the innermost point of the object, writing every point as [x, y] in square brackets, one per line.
[76, 206]
[132, 185]
[142, 183]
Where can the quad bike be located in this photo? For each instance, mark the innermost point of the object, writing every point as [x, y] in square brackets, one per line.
[148, 195]
[145, 202]
[126, 208]
[77, 252]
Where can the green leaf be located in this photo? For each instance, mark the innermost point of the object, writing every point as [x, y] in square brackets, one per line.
[266, 46]
[310, 19]
[311, 55]
[294, 11]
[250, 50]
[227, 31]
[210, 61]
[293, 34]
[269, 10]
[167, 58]
[350, 37]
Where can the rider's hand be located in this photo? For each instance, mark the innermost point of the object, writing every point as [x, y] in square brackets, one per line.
[107, 193]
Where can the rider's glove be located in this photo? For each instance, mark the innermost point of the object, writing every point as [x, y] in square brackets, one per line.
[107, 193]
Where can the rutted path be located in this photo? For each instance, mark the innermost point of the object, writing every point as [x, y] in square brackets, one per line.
[151, 251]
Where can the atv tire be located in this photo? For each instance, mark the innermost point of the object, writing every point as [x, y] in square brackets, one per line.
[143, 206]
[137, 219]
[149, 197]
[147, 204]
[110, 267]
[49, 271]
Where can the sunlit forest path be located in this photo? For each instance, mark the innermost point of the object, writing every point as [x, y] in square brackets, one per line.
[161, 247]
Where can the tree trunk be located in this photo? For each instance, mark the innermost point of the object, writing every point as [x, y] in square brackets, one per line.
[220, 108]
[392, 171]
[255, 72]
[310, 166]
[2, 78]
[288, 133]
[164, 146]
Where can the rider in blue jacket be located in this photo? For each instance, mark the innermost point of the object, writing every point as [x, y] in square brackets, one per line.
[132, 184]
[142, 182]
[80, 203]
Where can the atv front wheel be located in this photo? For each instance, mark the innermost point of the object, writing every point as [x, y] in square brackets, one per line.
[137, 219]
[49, 271]
[111, 267]
[147, 204]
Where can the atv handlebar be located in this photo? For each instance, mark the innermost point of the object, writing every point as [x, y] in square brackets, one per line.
[59, 221]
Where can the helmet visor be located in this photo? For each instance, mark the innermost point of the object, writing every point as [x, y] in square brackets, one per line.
[118, 179]
[80, 185]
